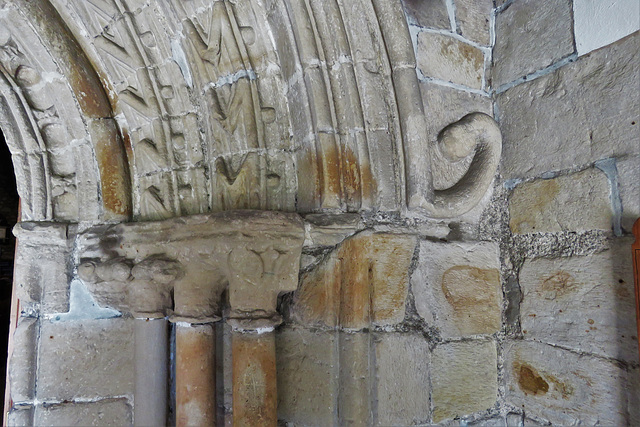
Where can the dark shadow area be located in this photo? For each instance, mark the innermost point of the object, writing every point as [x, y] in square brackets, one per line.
[8, 218]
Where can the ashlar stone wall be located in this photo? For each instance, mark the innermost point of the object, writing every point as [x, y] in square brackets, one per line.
[517, 312]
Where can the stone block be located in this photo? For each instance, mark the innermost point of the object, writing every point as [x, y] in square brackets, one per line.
[530, 38]
[101, 413]
[73, 354]
[629, 186]
[472, 17]
[356, 372]
[402, 379]
[307, 376]
[567, 388]
[443, 106]
[583, 302]
[447, 58]
[457, 287]
[427, 13]
[364, 281]
[575, 202]
[464, 378]
[22, 361]
[580, 113]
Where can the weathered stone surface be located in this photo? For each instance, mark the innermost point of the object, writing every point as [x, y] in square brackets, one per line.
[464, 378]
[566, 388]
[457, 287]
[307, 376]
[580, 113]
[443, 106]
[46, 243]
[575, 202]
[472, 17]
[255, 397]
[530, 38]
[104, 412]
[449, 59]
[402, 379]
[427, 13]
[364, 281]
[582, 302]
[629, 186]
[86, 359]
[329, 230]
[22, 361]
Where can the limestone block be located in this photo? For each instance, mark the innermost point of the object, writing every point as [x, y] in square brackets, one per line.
[73, 354]
[582, 302]
[330, 230]
[307, 376]
[449, 59]
[356, 372]
[629, 186]
[472, 17]
[104, 412]
[464, 378]
[457, 287]
[364, 281]
[427, 13]
[575, 202]
[530, 38]
[22, 361]
[567, 388]
[443, 106]
[580, 113]
[402, 379]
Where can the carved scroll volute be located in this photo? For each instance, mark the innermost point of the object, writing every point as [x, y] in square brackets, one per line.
[476, 133]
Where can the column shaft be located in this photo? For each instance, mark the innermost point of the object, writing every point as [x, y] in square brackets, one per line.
[151, 372]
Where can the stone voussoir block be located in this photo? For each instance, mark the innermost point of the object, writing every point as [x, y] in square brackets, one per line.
[457, 287]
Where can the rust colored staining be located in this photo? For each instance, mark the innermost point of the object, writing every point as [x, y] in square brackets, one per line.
[114, 176]
[529, 380]
[474, 295]
[254, 379]
[365, 280]
[559, 284]
[590, 321]
[195, 375]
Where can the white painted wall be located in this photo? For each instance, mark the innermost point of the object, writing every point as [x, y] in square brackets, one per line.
[601, 22]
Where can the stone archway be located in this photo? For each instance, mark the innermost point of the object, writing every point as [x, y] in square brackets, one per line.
[127, 110]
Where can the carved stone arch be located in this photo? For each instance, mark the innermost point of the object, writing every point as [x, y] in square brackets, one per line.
[68, 155]
[246, 104]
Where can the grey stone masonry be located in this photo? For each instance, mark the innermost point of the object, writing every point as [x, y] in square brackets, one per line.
[580, 113]
[530, 37]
